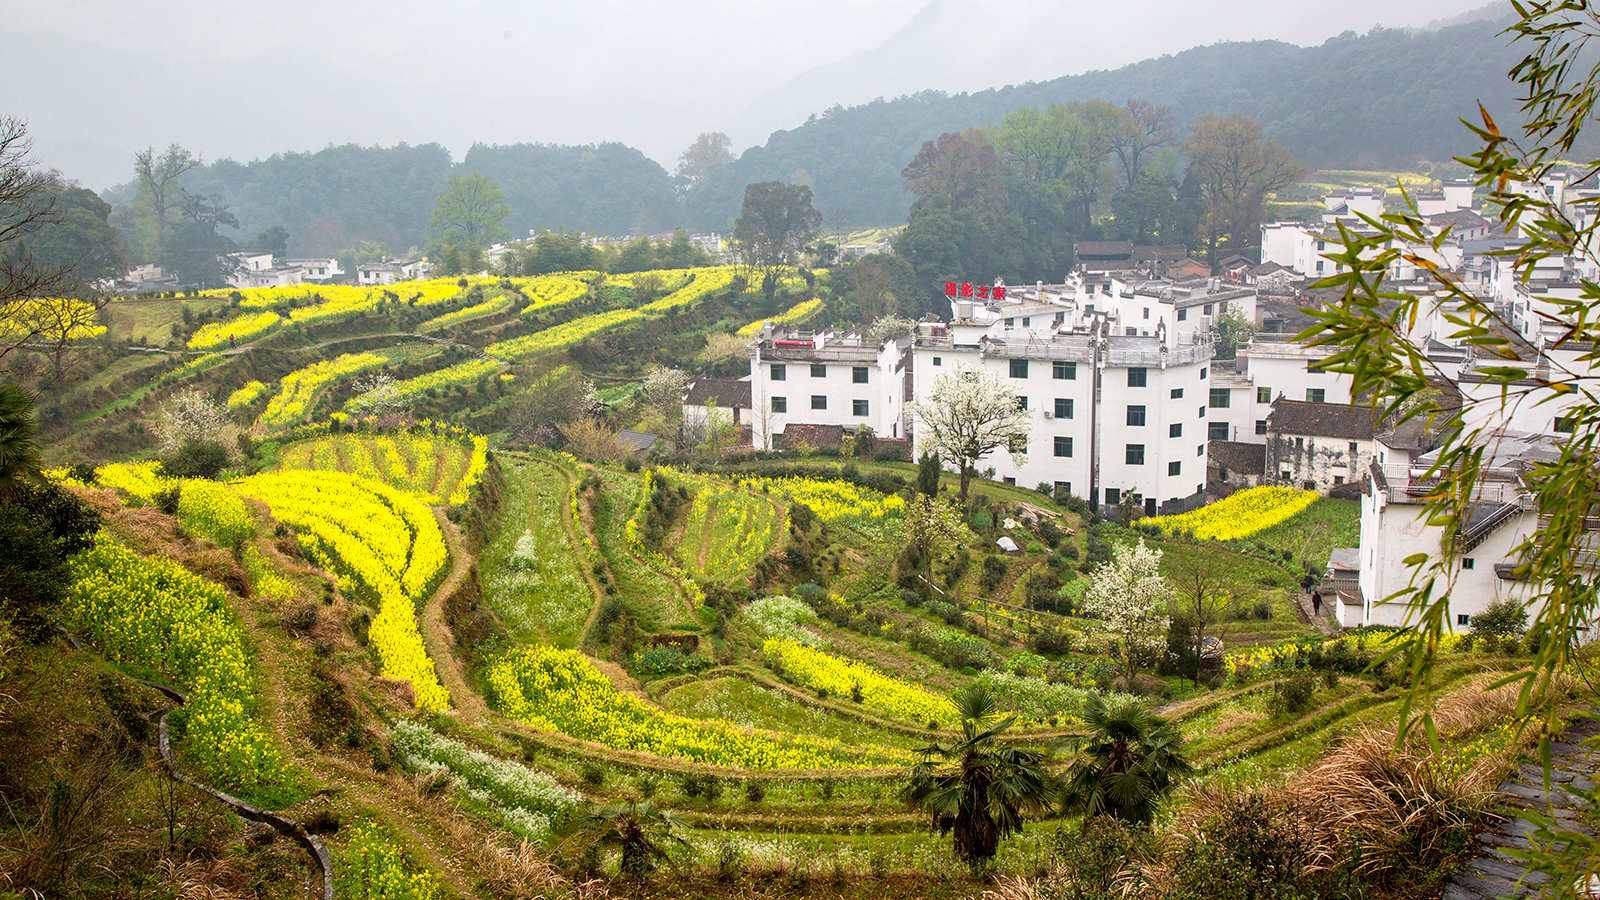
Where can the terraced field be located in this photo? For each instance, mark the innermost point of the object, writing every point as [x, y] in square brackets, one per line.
[727, 530]
[450, 647]
[532, 573]
[441, 468]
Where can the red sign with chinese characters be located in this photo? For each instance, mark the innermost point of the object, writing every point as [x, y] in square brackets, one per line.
[966, 290]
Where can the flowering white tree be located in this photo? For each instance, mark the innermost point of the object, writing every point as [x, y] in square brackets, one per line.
[969, 414]
[885, 327]
[191, 415]
[1129, 594]
[380, 395]
[663, 390]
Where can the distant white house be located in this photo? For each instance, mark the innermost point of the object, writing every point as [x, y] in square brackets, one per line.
[394, 269]
[253, 269]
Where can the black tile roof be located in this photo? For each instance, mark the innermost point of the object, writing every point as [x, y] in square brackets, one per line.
[1336, 420]
[1238, 456]
[729, 393]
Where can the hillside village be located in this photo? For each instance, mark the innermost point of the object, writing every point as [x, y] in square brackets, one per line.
[1133, 531]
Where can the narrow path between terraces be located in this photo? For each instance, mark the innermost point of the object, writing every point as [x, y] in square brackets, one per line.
[1494, 872]
[436, 633]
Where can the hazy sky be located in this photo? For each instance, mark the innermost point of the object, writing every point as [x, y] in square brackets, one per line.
[244, 79]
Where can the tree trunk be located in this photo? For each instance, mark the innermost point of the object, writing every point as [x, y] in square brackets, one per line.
[966, 478]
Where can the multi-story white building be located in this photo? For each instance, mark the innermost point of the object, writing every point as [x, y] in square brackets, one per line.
[825, 378]
[1114, 375]
[1110, 414]
[1393, 529]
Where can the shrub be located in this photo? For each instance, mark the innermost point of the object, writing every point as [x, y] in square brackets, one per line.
[168, 499]
[1293, 693]
[994, 572]
[594, 776]
[196, 458]
[754, 791]
[41, 528]
[658, 662]
[1502, 620]
[1248, 844]
[1052, 641]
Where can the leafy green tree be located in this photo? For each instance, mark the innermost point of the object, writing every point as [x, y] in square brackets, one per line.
[471, 212]
[193, 249]
[363, 253]
[777, 222]
[274, 240]
[639, 833]
[1233, 330]
[928, 470]
[1125, 763]
[559, 251]
[41, 525]
[710, 151]
[1143, 128]
[1236, 166]
[979, 789]
[75, 243]
[932, 529]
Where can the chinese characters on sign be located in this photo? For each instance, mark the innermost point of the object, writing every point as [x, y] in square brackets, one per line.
[966, 290]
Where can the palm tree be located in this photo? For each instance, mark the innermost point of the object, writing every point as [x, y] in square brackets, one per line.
[1126, 762]
[638, 831]
[977, 788]
[19, 445]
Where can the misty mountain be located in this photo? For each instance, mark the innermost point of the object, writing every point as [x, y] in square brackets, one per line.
[1387, 98]
[958, 45]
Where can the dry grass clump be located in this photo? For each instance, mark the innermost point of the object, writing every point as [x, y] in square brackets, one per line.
[1372, 815]
[1389, 814]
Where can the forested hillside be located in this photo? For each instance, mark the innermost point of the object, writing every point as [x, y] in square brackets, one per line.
[1386, 98]
[605, 188]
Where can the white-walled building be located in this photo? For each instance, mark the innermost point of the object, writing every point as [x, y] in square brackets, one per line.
[1114, 375]
[394, 269]
[1393, 528]
[723, 399]
[1140, 433]
[1320, 446]
[824, 378]
[260, 269]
